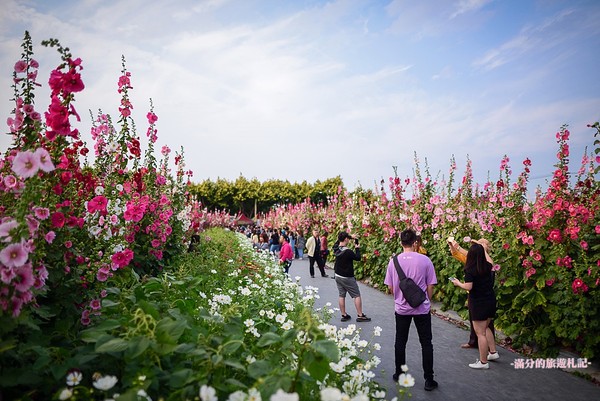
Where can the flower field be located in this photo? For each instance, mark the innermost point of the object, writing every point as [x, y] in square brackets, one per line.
[547, 251]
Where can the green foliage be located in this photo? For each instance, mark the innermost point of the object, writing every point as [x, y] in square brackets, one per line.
[250, 196]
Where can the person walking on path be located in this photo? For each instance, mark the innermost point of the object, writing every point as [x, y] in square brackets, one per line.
[313, 249]
[420, 269]
[344, 276]
[300, 244]
[286, 255]
[479, 281]
[324, 247]
[460, 254]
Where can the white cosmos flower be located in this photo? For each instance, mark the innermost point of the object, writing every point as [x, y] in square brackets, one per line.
[254, 395]
[331, 394]
[237, 396]
[280, 318]
[281, 395]
[288, 325]
[207, 393]
[74, 378]
[249, 322]
[404, 368]
[406, 380]
[377, 331]
[105, 382]
[65, 394]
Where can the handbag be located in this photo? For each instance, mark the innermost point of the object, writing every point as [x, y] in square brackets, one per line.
[413, 294]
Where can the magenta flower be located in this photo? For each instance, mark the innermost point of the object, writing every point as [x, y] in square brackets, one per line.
[14, 255]
[25, 164]
[41, 213]
[50, 236]
[555, 236]
[20, 66]
[24, 279]
[7, 274]
[95, 304]
[45, 161]
[103, 273]
[10, 181]
[5, 228]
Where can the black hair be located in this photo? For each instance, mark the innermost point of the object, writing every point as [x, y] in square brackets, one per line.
[476, 261]
[408, 237]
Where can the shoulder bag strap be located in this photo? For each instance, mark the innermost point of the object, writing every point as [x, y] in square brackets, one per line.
[398, 268]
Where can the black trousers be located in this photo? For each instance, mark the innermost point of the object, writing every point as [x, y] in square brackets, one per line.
[320, 264]
[423, 323]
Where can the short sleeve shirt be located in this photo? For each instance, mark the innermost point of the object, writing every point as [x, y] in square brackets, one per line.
[419, 268]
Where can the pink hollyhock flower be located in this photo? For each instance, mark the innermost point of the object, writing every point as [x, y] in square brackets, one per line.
[10, 181]
[152, 118]
[20, 66]
[68, 244]
[155, 243]
[530, 272]
[44, 159]
[160, 180]
[25, 164]
[95, 304]
[5, 227]
[103, 273]
[57, 219]
[579, 286]
[24, 279]
[121, 259]
[85, 317]
[7, 274]
[555, 236]
[98, 203]
[41, 213]
[32, 224]
[50, 236]
[14, 255]
[584, 245]
[42, 275]
[550, 282]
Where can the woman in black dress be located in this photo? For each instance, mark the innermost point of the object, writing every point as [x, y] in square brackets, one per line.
[479, 281]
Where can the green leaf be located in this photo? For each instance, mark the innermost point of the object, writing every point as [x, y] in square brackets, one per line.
[114, 345]
[259, 369]
[107, 303]
[268, 339]
[137, 346]
[169, 330]
[180, 378]
[234, 363]
[327, 348]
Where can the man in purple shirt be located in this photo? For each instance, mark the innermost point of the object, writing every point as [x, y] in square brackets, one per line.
[419, 268]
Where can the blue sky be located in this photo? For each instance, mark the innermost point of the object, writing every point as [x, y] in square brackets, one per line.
[308, 90]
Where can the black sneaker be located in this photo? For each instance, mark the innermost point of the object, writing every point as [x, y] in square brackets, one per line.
[430, 384]
[395, 376]
[345, 318]
[363, 318]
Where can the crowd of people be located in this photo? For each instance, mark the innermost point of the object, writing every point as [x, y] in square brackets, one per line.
[408, 272]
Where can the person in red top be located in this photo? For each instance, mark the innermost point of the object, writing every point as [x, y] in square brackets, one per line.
[286, 254]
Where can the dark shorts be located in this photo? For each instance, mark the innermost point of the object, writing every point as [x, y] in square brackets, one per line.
[347, 285]
[482, 309]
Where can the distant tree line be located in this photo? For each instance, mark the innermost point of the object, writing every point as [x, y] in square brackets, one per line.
[253, 197]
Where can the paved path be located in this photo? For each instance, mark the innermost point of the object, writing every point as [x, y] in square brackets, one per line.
[456, 380]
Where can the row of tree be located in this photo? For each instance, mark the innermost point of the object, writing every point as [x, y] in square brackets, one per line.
[253, 197]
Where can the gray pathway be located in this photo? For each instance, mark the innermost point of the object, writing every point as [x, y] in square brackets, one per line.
[456, 380]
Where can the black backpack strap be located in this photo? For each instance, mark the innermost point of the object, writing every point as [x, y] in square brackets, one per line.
[399, 270]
